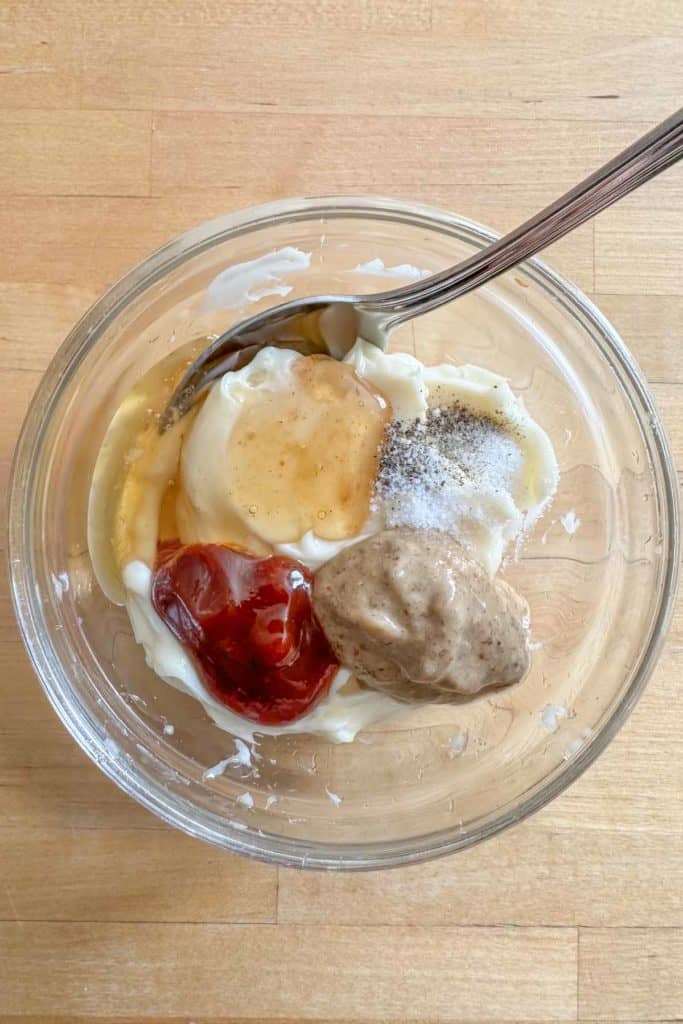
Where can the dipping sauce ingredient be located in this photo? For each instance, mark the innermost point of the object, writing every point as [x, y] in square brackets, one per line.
[249, 624]
[286, 446]
[412, 615]
[286, 464]
[429, 466]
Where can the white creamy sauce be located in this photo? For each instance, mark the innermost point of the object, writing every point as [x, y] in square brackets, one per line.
[398, 376]
[570, 522]
[576, 744]
[377, 268]
[484, 519]
[552, 715]
[457, 744]
[314, 551]
[248, 282]
[242, 758]
[216, 770]
[60, 582]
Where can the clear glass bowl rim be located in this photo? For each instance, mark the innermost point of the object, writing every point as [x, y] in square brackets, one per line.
[52, 674]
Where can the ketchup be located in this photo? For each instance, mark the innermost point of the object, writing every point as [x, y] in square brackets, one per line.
[249, 623]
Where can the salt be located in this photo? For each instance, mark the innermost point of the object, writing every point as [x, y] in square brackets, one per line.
[429, 467]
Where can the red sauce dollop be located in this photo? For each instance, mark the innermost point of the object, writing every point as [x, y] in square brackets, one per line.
[249, 623]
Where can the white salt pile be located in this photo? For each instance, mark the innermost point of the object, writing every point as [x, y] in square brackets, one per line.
[435, 471]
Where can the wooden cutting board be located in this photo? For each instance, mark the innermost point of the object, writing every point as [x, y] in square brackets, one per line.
[123, 123]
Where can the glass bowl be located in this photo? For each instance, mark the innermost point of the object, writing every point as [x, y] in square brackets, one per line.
[599, 570]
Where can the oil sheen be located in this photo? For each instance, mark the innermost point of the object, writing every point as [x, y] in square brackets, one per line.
[289, 447]
[306, 457]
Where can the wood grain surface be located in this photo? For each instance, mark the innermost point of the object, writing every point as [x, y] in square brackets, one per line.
[123, 123]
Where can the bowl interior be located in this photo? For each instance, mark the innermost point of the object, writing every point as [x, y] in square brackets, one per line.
[597, 570]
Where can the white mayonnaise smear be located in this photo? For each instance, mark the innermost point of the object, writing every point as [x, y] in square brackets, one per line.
[403, 271]
[484, 519]
[255, 279]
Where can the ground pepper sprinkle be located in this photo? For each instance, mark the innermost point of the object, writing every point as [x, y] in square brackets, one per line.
[429, 468]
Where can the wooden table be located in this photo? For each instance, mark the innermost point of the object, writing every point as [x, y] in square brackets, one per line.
[123, 124]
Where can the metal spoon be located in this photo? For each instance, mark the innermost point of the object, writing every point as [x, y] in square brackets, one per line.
[331, 324]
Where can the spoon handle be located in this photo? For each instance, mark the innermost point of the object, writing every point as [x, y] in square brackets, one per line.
[652, 153]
